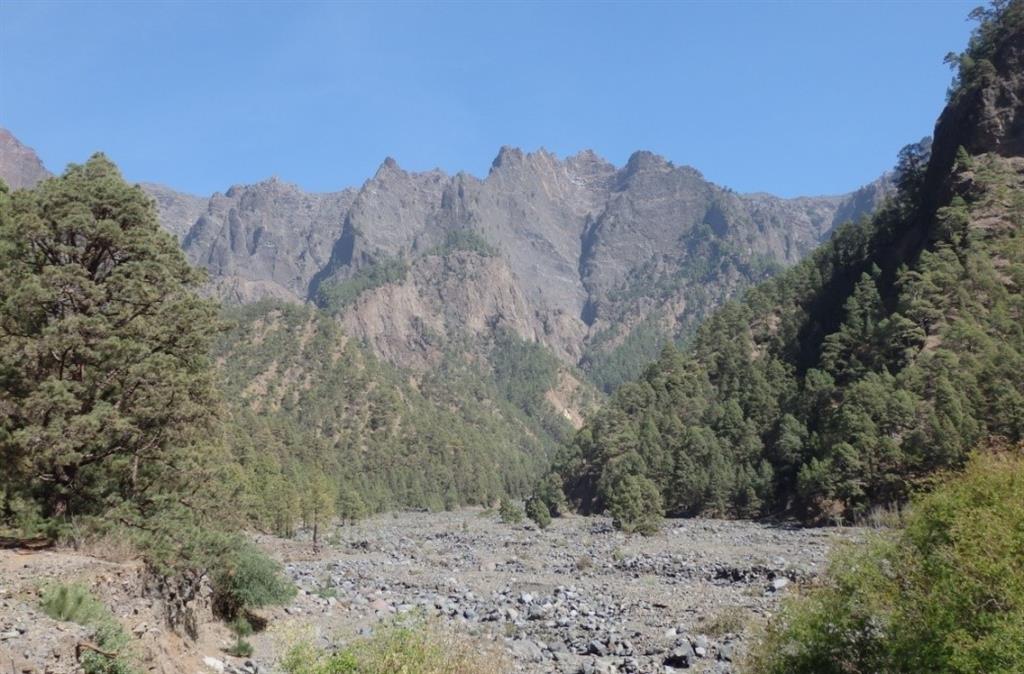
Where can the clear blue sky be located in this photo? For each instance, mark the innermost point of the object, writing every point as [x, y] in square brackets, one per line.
[794, 98]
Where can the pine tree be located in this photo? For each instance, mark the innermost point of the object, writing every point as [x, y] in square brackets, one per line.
[538, 511]
[321, 499]
[103, 345]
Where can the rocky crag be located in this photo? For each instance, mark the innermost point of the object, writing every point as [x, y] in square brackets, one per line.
[20, 166]
[600, 264]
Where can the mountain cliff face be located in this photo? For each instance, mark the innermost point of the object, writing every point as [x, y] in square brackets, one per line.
[581, 241]
[585, 254]
[599, 264]
[264, 240]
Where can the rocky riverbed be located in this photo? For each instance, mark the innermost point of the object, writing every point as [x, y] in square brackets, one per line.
[577, 597]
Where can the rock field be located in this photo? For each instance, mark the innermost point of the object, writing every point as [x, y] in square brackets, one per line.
[577, 597]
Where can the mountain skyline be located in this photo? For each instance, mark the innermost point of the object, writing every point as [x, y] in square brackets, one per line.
[444, 85]
[599, 264]
[14, 144]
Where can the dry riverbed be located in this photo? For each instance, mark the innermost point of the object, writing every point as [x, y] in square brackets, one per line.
[577, 597]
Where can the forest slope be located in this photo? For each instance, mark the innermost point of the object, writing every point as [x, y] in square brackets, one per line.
[888, 354]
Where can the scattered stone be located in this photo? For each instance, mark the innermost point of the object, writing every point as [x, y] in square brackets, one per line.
[380, 606]
[680, 656]
[526, 650]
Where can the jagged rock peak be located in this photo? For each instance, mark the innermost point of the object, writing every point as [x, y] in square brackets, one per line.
[644, 163]
[645, 160]
[20, 166]
[272, 185]
[387, 167]
[540, 160]
[589, 166]
[507, 156]
[586, 156]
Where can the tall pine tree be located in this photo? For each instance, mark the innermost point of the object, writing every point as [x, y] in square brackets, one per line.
[107, 394]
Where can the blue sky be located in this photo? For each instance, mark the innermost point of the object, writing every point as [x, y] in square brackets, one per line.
[790, 98]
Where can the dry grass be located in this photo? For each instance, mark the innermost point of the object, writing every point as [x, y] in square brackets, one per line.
[410, 646]
[726, 620]
[107, 546]
[883, 517]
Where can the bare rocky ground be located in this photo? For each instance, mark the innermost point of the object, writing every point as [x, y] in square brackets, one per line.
[31, 642]
[577, 597]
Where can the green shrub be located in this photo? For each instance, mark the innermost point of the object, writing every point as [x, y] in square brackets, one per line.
[241, 648]
[405, 647]
[724, 621]
[509, 512]
[945, 594]
[74, 603]
[538, 511]
[464, 239]
[247, 578]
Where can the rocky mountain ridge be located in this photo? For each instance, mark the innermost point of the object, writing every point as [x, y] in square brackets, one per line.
[582, 252]
[20, 166]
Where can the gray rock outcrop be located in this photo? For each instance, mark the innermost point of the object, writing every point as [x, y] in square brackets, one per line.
[583, 252]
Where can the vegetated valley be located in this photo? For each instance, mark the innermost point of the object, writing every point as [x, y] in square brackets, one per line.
[567, 417]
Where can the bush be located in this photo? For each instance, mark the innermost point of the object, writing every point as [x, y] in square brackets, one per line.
[726, 620]
[537, 511]
[246, 578]
[335, 297]
[509, 512]
[74, 603]
[945, 594]
[408, 647]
